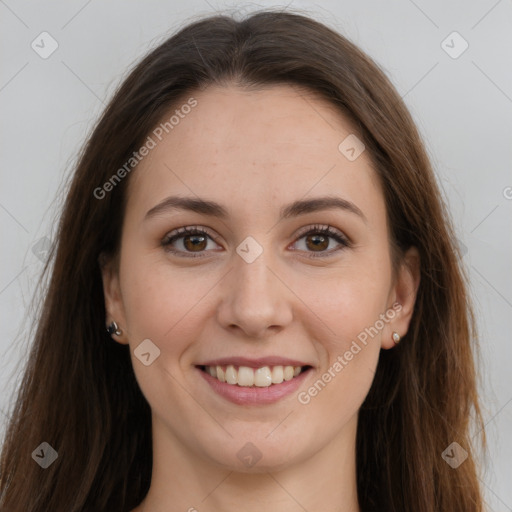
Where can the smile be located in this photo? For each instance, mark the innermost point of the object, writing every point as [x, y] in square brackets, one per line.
[245, 376]
[243, 385]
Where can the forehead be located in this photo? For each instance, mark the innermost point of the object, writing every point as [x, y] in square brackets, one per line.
[252, 147]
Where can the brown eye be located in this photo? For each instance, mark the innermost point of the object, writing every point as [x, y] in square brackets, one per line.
[194, 242]
[317, 242]
[318, 239]
[191, 242]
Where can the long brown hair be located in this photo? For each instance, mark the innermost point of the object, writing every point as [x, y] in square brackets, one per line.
[79, 392]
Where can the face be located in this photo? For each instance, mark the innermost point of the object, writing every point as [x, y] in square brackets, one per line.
[264, 285]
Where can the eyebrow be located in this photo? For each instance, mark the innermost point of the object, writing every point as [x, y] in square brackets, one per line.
[213, 209]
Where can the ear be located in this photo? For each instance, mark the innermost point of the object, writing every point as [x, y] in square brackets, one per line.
[113, 298]
[403, 296]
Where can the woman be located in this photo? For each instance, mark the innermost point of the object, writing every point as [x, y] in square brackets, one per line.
[256, 300]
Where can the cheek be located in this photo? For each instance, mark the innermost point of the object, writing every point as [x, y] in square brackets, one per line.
[336, 394]
[347, 327]
[163, 303]
[346, 303]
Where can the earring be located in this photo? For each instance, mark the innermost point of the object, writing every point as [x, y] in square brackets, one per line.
[113, 328]
[396, 337]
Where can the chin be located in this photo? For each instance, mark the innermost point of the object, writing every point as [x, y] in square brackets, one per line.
[258, 456]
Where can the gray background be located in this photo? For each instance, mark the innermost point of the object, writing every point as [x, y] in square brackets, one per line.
[463, 108]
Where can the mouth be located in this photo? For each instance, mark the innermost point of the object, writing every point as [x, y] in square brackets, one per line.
[253, 385]
[248, 377]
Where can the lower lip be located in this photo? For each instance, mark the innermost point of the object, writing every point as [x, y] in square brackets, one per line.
[241, 395]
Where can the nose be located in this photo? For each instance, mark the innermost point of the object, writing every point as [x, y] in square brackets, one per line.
[255, 298]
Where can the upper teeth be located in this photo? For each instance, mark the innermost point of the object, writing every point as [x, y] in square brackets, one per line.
[260, 377]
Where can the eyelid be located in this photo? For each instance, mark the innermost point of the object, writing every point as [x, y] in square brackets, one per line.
[320, 227]
[184, 230]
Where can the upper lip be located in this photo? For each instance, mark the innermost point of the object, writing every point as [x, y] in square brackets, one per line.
[254, 363]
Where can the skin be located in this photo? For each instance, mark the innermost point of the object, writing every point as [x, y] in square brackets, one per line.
[254, 152]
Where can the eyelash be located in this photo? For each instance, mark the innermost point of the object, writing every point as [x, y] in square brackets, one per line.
[316, 229]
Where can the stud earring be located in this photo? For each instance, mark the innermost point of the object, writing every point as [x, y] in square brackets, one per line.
[113, 328]
[396, 337]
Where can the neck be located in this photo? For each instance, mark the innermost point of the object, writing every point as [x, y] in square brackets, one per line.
[186, 481]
